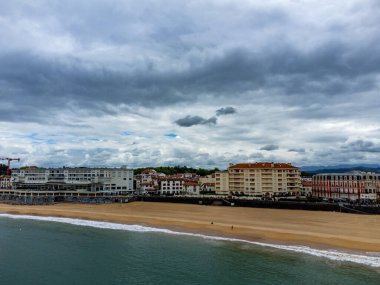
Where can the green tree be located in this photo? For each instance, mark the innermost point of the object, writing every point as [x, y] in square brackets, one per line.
[3, 169]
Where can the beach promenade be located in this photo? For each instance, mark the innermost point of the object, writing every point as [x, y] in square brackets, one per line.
[290, 227]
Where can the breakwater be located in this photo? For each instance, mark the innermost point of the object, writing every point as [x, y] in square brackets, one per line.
[241, 202]
[22, 197]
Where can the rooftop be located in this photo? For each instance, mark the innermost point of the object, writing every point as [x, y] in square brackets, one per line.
[307, 183]
[263, 165]
[191, 183]
[355, 172]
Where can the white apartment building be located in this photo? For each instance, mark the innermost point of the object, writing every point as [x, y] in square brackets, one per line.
[171, 186]
[74, 179]
[148, 181]
[191, 188]
[208, 187]
[149, 187]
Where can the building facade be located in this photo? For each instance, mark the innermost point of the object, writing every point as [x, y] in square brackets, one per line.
[5, 182]
[207, 187]
[171, 186]
[191, 188]
[347, 186]
[307, 188]
[222, 183]
[261, 179]
[207, 179]
[73, 179]
[148, 181]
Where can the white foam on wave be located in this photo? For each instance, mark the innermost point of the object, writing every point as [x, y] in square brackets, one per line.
[372, 259]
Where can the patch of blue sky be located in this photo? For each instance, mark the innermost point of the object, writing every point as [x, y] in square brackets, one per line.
[31, 136]
[51, 141]
[171, 135]
[35, 139]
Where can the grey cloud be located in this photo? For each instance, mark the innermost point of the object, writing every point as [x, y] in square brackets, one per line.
[189, 121]
[62, 61]
[73, 157]
[300, 150]
[270, 147]
[335, 155]
[330, 138]
[208, 160]
[225, 111]
[256, 156]
[362, 146]
[333, 67]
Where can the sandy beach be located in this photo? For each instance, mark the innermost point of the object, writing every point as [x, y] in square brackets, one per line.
[316, 229]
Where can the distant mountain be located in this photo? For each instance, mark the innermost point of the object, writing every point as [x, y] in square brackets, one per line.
[341, 168]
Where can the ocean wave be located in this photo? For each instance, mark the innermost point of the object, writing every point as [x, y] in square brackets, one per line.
[372, 259]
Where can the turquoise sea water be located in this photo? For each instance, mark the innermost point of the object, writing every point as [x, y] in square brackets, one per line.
[41, 252]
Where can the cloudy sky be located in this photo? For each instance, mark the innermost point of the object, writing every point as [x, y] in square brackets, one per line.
[197, 83]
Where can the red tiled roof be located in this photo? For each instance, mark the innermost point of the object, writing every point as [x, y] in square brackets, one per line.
[149, 170]
[263, 165]
[307, 183]
[208, 184]
[152, 190]
[171, 178]
[190, 183]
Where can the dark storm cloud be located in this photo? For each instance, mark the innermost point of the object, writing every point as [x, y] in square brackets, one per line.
[269, 147]
[31, 81]
[34, 81]
[225, 111]
[332, 68]
[189, 121]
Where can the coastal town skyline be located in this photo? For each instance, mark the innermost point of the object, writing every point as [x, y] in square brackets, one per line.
[189, 142]
[374, 167]
[203, 84]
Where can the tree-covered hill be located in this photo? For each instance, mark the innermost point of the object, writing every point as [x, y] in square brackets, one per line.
[169, 170]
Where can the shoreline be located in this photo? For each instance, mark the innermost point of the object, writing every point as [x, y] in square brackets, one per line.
[319, 230]
[368, 259]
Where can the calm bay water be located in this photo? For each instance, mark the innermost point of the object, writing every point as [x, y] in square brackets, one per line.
[38, 252]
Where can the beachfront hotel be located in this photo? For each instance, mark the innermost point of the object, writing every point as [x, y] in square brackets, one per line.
[260, 179]
[347, 186]
[73, 179]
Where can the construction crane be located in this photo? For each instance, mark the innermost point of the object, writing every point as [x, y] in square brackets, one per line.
[9, 163]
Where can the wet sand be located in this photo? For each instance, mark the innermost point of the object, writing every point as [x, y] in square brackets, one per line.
[292, 227]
